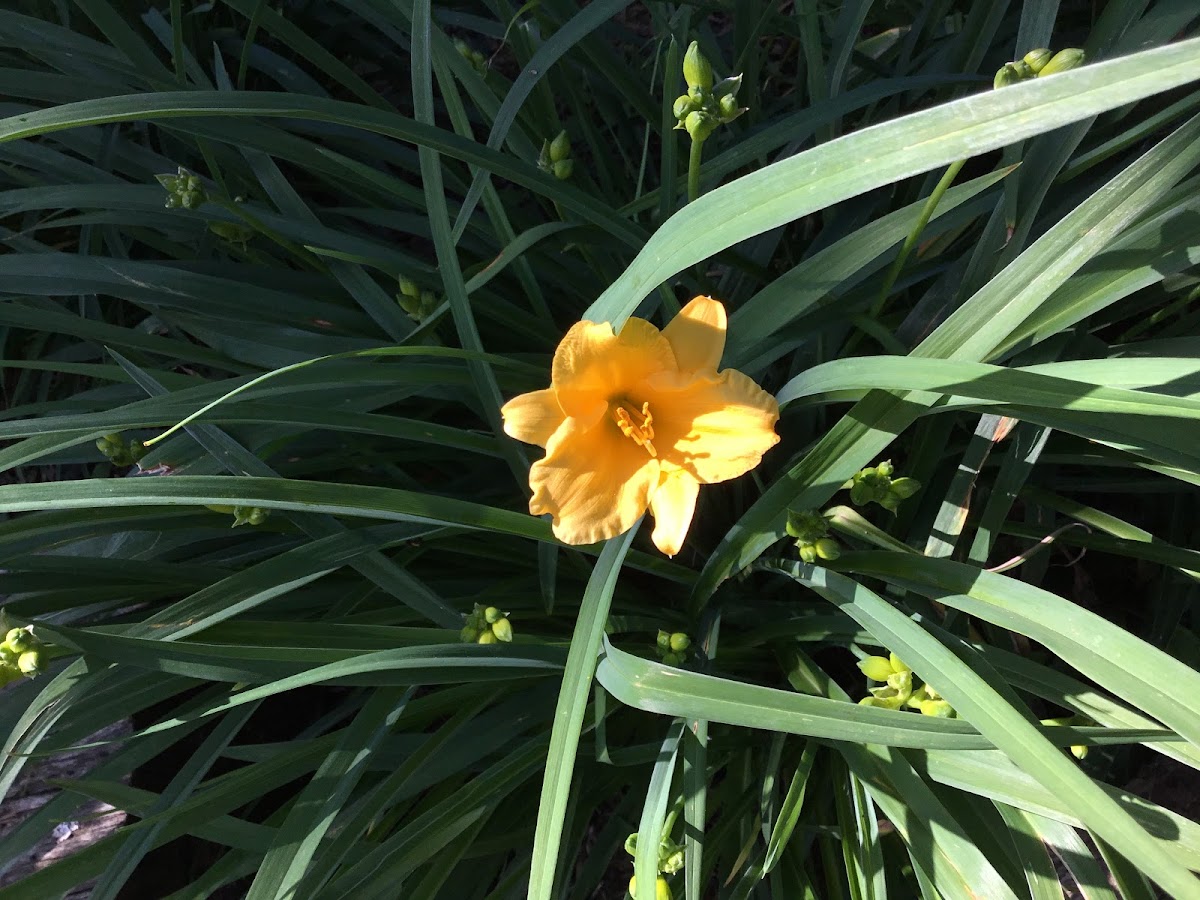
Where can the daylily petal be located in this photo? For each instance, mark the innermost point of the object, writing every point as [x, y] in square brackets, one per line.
[697, 334]
[594, 482]
[715, 427]
[594, 364]
[673, 504]
[532, 417]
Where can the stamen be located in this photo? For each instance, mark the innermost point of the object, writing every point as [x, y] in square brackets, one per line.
[642, 432]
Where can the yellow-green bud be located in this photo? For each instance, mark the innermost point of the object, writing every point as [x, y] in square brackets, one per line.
[680, 642]
[1006, 75]
[488, 638]
[672, 659]
[491, 615]
[939, 709]
[700, 125]
[563, 169]
[560, 147]
[502, 628]
[683, 105]
[897, 664]
[1079, 751]
[808, 551]
[728, 107]
[901, 683]
[827, 548]
[1063, 61]
[697, 70]
[30, 663]
[137, 450]
[1037, 59]
[469, 634]
[662, 890]
[408, 287]
[20, 639]
[877, 668]
[663, 640]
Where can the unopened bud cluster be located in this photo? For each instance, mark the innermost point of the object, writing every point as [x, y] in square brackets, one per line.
[555, 157]
[21, 655]
[118, 452]
[417, 303]
[183, 189]
[898, 688]
[875, 484]
[672, 648]
[1038, 64]
[242, 515]
[811, 531]
[474, 57]
[706, 105]
[486, 625]
[670, 861]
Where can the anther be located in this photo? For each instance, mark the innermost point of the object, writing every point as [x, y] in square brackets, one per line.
[642, 432]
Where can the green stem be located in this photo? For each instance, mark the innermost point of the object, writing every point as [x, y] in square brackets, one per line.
[694, 170]
[915, 235]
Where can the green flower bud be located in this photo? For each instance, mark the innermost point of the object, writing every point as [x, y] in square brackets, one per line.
[860, 494]
[670, 856]
[663, 640]
[903, 488]
[827, 548]
[8, 659]
[672, 659]
[877, 668]
[1063, 61]
[563, 169]
[469, 634]
[1023, 69]
[560, 147]
[408, 287]
[680, 642]
[901, 683]
[1037, 59]
[491, 615]
[631, 844]
[939, 709]
[502, 629]
[19, 640]
[29, 663]
[808, 552]
[727, 87]
[700, 125]
[885, 469]
[488, 637]
[683, 105]
[1079, 751]
[137, 450]
[662, 890]
[884, 701]
[697, 70]
[258, 515]
[897, 665]
[807, 525]
[729, 109]
[1006, 75]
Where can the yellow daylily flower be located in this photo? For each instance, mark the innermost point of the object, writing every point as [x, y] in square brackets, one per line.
[639, 420]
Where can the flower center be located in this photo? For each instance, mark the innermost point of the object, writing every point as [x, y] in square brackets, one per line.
[640, 432]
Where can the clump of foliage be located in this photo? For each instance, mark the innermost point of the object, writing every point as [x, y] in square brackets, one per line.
[331, 240]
